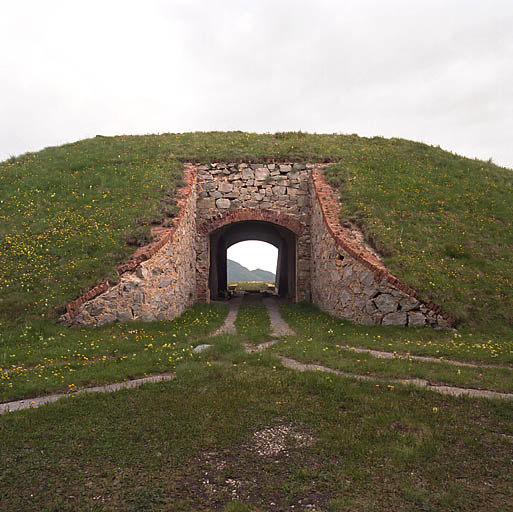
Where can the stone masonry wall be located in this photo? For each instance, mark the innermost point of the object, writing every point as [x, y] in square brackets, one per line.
[350, 281]
[334, 267]
[259, 190]
[158, 283]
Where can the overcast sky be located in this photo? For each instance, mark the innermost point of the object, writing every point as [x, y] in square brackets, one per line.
[435, 71]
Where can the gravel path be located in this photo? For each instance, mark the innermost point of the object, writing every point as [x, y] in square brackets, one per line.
[31, 403]
[429, 359]
[279, 327]
[229, 324]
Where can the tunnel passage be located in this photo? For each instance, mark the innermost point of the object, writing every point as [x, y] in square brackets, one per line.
[282, 238]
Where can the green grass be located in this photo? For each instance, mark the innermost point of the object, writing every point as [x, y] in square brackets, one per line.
[252, 321]
[50, 358]
[188, 444]
[465, 344]
[444, 224]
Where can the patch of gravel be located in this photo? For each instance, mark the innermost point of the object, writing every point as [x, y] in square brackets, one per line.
[273, 441]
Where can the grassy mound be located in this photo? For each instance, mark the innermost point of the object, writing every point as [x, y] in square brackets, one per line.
[444, 222]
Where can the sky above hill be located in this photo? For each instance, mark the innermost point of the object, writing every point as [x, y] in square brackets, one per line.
[434, 71]
[254, 254]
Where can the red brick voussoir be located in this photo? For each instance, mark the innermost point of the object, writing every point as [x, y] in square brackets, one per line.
[344, 240]
[162, 234]
[281, 219]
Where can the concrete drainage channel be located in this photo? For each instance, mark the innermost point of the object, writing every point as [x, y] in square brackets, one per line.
[32, 403]
[278, 328]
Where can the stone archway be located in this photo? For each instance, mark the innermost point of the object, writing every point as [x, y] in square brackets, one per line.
[281, 230]
[289, 205]
[282, 238]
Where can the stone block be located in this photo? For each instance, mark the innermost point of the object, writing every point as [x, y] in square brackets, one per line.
[261, 173]
[124, 316]
[279, 191]
[409, 303]
[348, 275]
[248, 174]
[399, 318]
[223, 203]
[225, 187]
[367, 278]
[370, 320]
[370, 307]
[345, 297]
[416, 319]
[106, 319]
[386, 303]
[370, 291]
[206, 203]
[147, 317]
[442, 322]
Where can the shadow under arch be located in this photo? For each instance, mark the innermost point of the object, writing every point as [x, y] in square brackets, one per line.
[230, 234]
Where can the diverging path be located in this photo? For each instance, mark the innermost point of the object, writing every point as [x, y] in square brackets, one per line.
[279, 328]
[422, 383]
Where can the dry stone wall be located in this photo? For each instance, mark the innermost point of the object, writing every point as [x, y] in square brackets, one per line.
[261, 191]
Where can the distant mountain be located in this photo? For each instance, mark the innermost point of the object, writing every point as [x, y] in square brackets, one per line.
[237, 272]
[263, 275]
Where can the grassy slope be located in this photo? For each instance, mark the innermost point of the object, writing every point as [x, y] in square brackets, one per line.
[445, 222]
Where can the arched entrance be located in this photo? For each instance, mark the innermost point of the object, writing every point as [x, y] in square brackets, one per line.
[282, 238]
[216, 233]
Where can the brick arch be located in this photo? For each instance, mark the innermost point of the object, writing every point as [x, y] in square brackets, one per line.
[281, 219]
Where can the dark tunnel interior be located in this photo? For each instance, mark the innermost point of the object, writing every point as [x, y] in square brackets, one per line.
[282, 238]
